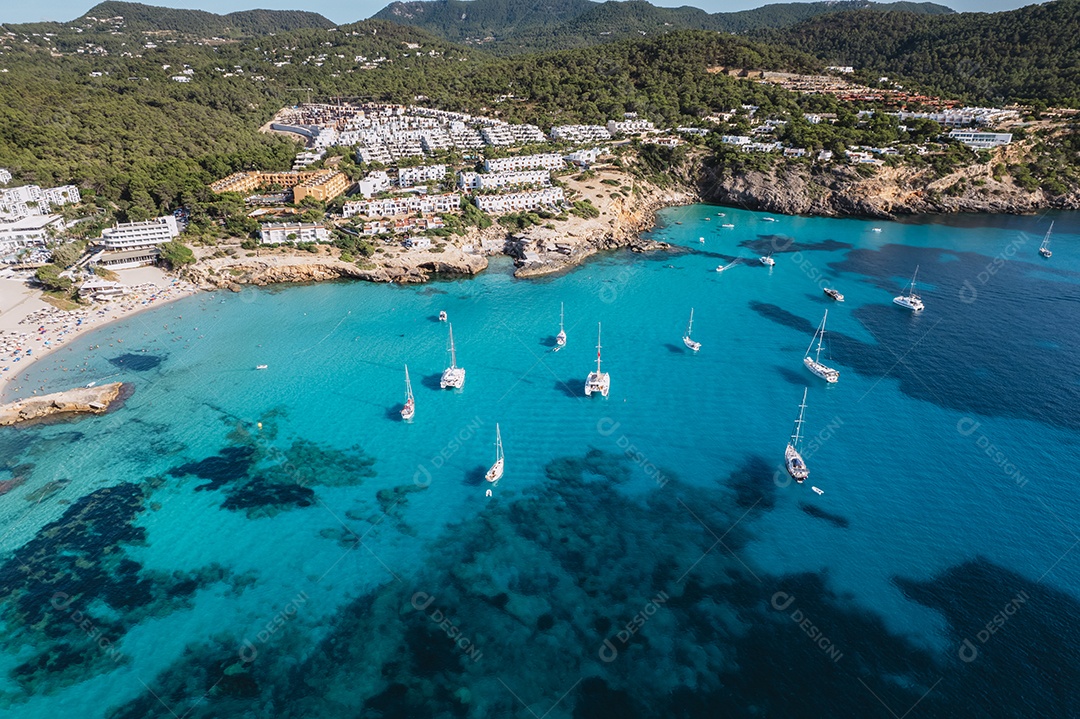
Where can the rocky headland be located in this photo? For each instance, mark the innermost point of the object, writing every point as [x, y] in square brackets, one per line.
[83, 400]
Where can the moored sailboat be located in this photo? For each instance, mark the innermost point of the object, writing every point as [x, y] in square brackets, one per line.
[496, 472]
[560, 339]
[911, 300]
[1044, 248]
[691, 344]
[814, 365]
[793, 460]
[453, 376]
[409, 410]
[598, 381]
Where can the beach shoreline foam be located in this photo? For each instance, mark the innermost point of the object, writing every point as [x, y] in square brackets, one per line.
[31, 329]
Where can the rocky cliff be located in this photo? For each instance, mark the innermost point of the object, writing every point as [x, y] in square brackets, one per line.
[841, 190]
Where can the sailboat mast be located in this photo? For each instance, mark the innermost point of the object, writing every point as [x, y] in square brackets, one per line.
[598, 348]
[453, 354]
[408, 384]
[821, 336]
[1046, 240]
[560, 317]
[690, 327]
[911, 291]
[798, 423]
[498, 444]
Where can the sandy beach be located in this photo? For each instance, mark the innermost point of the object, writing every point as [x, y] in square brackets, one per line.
[30, 328]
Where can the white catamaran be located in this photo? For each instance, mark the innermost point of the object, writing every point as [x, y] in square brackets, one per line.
[560, 339]
[911, 300]
[793, 461]
[814, 365]
[452, 376]
[1044, 248]
[496, 472]
[409, 409]
[691, 344]
[598, 381]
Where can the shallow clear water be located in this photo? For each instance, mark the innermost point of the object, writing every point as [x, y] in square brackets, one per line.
[339, 562]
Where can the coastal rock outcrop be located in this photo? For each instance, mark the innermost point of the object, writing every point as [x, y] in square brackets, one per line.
[83, 400]
[885, 192]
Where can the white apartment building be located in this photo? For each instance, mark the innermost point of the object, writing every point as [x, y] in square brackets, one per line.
[498, 180]
[292, 232]
[981, 140]
[466, 138]
[497, 135]
[735, 139]
[135, 235]
[373, 184]
[5, 176]
[27, 231]
[699, 131]
[959, 117]
[306, 159]
[519, 201]
[527, 134]
[584, 157]
[629, 127]
[545, 161]
[412, 176]
[405, 205]
[435, 140]
[580, 133]
[374, 153]
[66, 194]
[28, 194]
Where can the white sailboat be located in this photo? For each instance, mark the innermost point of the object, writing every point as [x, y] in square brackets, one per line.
[1044, 248]
[598, 381]
[911, 300]
[409, 410]
[453, 376]
[442, 315]
[560, 339]
[496, 472]
[814, 365]
[793, 461]
[691, 344]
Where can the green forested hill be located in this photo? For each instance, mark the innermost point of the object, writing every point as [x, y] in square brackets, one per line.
[1032, 53]
[116, 124]
[139, 17]
[522, 25]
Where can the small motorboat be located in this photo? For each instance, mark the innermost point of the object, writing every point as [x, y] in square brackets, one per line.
[819, 491]
[875, 229]
[768, 261]
[701, 240]
[261, 366]
[728, 226]
[835, 294]
[768, 219]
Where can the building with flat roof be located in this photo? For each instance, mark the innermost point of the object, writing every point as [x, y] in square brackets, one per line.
[139, 235]
[324, 186]
[293, 232]
[981, 140]
[544, 161]
[27, 231]
[498, 180]
[404, 205]
[520, 201]
[128, 258]
[412, 176]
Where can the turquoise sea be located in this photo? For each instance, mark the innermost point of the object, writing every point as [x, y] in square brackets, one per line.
[278, 543]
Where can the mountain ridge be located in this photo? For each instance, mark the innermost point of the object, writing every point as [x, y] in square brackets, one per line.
[139, 17]
[522, 26]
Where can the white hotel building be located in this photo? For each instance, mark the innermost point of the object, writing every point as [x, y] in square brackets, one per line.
[547, 161]
[580, 133]
[497, 180]
[407, 205]
[981, 140]
[292, 232]
[137, 235]
[411, 176]
[519, 201]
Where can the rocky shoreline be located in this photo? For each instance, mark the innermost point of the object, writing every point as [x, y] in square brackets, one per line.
[888, 193]
[83, 400]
